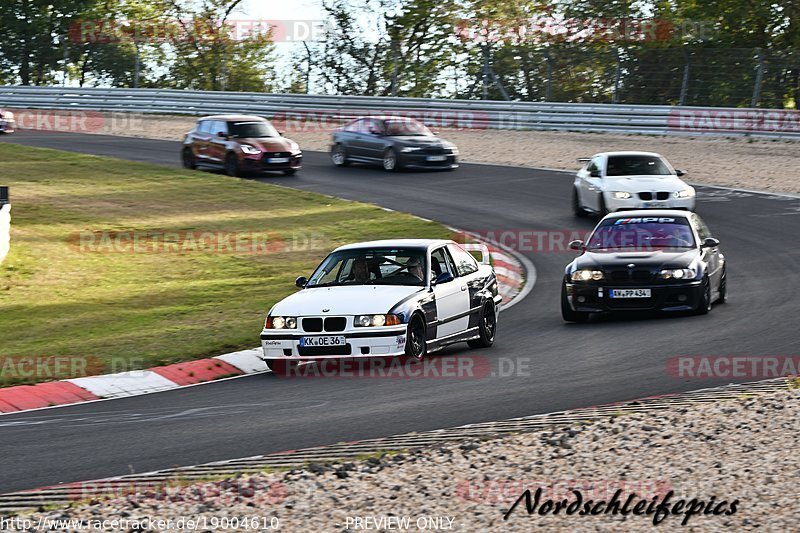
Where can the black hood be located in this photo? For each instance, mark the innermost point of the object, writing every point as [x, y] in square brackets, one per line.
[651, 259]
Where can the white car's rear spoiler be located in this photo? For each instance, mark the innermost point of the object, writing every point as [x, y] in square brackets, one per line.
[486, 257]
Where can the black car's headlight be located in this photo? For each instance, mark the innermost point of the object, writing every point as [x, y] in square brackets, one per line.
[407, 149]
[281, 322]
[365, 321]
[586, 275]
[678, 273]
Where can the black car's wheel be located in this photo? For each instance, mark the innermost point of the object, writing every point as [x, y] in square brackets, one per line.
[187, 157]
[390, 160]
[232, 166]
[723, 287]
[339, 156]
[487, 327]
[705, 303]
[290, 172]
[416, 347]
[566, 311]
[577, 208]
[281, 367]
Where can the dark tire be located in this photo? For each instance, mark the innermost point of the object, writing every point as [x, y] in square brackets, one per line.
[339, 156]
[187, 157]
[390, 160]
[416, 347]
[290, 172]
[603, 209]
[487, 328]
[232, 166]
[723, 288]
[566, 311]
[281, 367]
[705, 303]
[577, 209]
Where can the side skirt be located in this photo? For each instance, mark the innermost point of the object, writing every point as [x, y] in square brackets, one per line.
[463, 336]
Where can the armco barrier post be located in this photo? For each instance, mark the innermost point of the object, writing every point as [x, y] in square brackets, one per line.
[5, 223]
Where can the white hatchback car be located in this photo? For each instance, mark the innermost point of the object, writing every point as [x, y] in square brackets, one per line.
[617, 181]
[405, 297]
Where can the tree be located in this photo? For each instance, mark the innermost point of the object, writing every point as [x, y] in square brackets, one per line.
[207, 55]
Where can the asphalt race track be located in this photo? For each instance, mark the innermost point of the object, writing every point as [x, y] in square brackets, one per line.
[569, 366]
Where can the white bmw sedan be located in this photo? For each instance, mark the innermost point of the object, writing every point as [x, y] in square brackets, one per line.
[616, 181]
[392, 298]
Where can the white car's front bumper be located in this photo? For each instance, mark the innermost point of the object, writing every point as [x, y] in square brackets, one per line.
[360, 342]
[618, 204]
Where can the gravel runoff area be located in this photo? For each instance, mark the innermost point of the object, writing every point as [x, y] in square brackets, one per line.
[731, 462]
[747, 163]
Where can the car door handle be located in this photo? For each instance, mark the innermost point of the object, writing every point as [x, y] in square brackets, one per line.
[463, 287]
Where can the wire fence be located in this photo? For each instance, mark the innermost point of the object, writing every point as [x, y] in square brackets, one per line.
[687, 76]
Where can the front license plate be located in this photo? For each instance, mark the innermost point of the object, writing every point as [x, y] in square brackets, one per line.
[322, 341]
[630, 293]
[278, 160]
[649, 205]
[437, 158]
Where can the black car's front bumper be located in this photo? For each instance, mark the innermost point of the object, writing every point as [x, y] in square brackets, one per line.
[596, 297]
[423, 160]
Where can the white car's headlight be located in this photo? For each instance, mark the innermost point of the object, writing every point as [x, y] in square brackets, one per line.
[453, 149]
[294, 147]
[621, 195]
[252, 150]
[281, 322]
[365, 321]
[407, 149]
[586, 275]
[678, 273]
[685, 193]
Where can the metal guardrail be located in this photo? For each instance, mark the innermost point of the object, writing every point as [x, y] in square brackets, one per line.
[464, 114]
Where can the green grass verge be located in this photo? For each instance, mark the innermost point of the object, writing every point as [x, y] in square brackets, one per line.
[121, 311]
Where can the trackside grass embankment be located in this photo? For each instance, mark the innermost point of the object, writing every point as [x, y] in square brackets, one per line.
[117, 265]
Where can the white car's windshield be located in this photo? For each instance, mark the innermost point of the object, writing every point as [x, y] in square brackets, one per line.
[642, 233]
[636, 165]
[365, 266]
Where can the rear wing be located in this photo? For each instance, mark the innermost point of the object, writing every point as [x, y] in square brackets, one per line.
[486, 257]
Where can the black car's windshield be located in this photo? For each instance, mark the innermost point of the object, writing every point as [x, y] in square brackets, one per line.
[252, 130]
[642, 233]
[407, 127]
[366, 266]
[636, 165]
